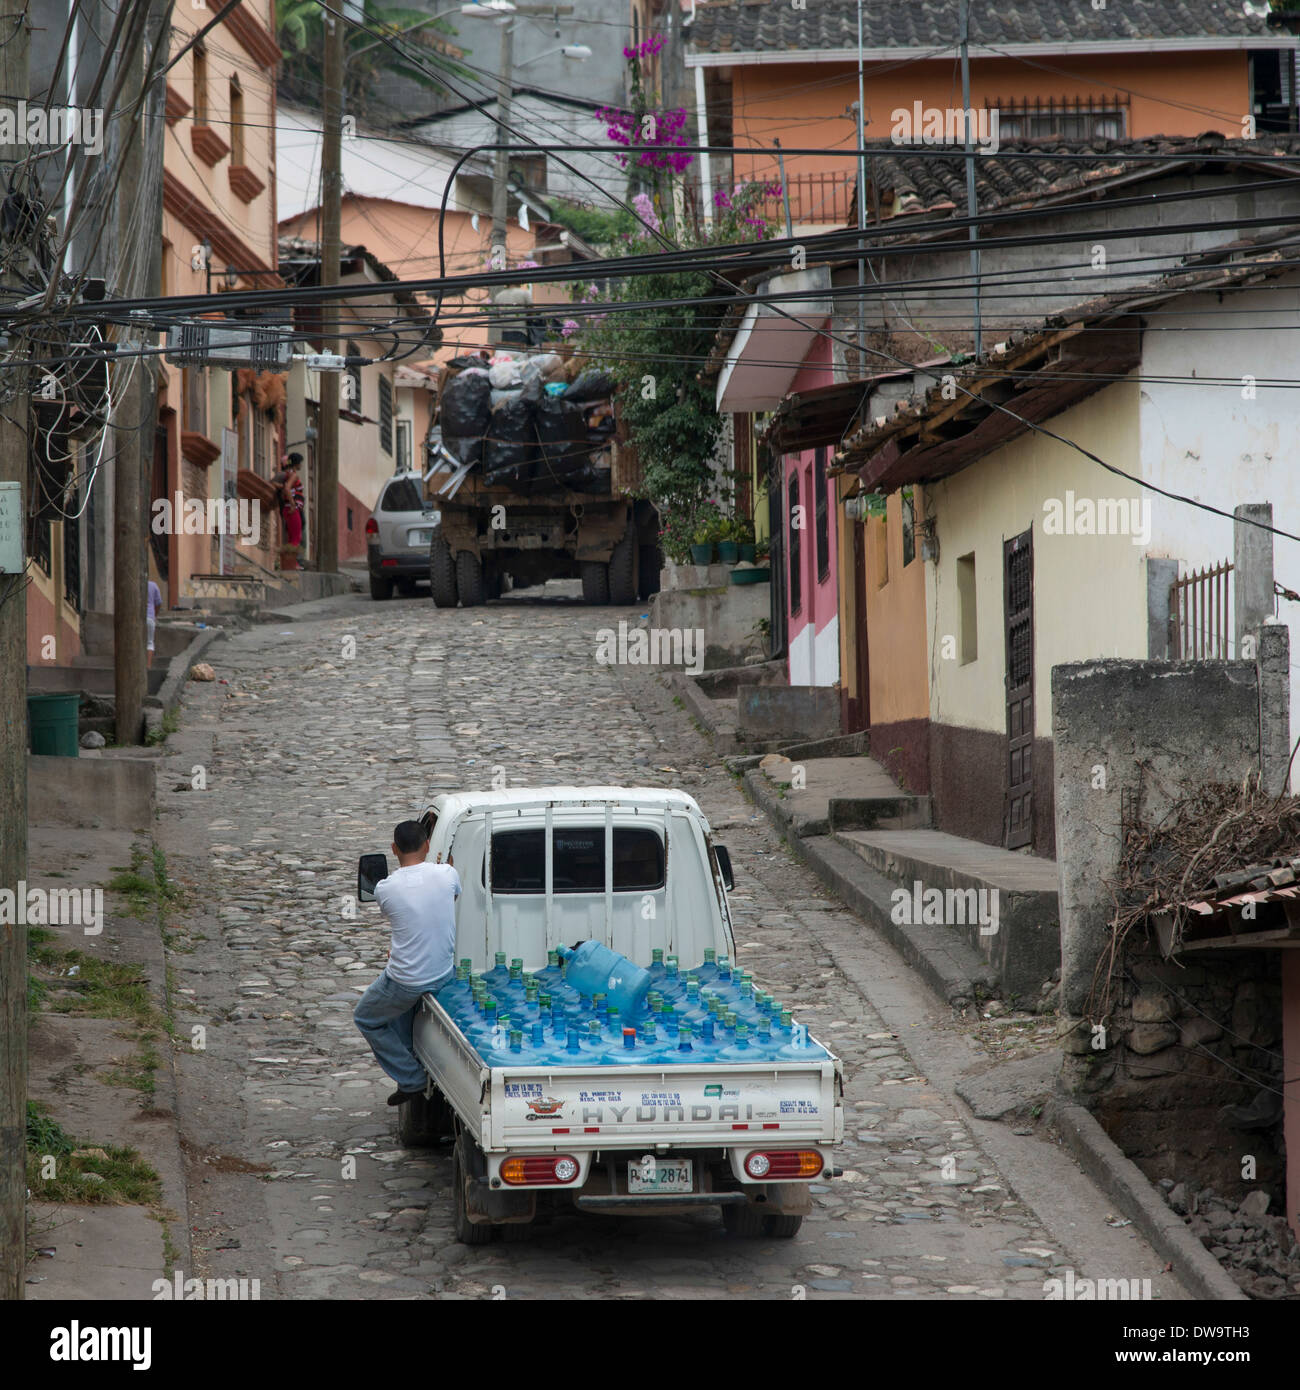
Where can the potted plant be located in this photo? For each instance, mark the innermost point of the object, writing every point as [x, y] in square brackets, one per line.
[708, 525]
[745, 538]
[675, 535]
[728, 542]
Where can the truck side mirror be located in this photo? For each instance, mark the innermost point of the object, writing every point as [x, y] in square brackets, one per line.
[724, 866]
[372, 869]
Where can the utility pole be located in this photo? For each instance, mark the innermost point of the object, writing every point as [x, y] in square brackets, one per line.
[139, 208]
[327, 429]
[13, 741]
[501, 169]
[971, 208]
[862, 207]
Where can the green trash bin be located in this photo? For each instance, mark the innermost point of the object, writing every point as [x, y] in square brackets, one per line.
[52, 720]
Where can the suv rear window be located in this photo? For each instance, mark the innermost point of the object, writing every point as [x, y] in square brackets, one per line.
[519, 860]
[401, 496]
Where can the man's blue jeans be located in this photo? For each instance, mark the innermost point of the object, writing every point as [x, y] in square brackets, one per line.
[385, 1014]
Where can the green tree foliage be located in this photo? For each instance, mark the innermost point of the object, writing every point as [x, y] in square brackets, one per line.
[300, 28]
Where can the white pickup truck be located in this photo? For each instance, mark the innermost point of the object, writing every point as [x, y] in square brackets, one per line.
[635, 869]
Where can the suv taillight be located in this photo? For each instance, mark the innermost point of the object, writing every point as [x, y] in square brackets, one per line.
[372, 526]
[540, 1168]
[783, 1163]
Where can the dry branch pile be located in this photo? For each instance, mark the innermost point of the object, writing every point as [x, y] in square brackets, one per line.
[1212, 842]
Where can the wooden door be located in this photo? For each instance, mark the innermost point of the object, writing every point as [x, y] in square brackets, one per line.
[1018, 608]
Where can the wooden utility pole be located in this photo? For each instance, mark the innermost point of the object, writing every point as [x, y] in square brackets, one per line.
[13, 745]
[139, 211]
[331, 214]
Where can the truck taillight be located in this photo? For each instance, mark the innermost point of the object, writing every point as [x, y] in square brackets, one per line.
[540, 1168]
[372, 526]
[784, 1163]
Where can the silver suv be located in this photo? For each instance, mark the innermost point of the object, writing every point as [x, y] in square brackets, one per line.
[398, 533]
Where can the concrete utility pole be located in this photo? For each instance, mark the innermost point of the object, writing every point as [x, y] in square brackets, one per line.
[327, 430]
[13, 751]
[862, 206]
[971, 208]
[139, 210]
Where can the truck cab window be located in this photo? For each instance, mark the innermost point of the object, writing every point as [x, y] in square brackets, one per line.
[519, 860]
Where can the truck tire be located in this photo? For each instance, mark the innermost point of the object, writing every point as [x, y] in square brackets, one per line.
[595, 581]
[622, 571]
[745, 1222]
[380, 589]
[422, 1122]
[467, 1232]
[494, 582]
[651, 564]
[442, 575]
[469, 579]
[515, 1232]
[783, 1227]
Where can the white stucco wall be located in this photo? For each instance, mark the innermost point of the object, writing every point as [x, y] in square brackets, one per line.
[1089, 591]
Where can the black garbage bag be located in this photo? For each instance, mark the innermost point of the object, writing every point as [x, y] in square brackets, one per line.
[469, 450]
[511, 443]
[466, 406]
[592, 385]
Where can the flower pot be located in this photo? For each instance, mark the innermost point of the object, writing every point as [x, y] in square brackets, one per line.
[728, 552]
[702, 554]
[746, 554]
[751, 576]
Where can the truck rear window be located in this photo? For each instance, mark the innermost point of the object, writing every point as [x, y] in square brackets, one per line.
[519, 861]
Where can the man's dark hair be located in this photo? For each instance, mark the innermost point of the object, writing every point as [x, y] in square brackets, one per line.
[409, 836]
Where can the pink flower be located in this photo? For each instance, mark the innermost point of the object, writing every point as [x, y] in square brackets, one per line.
[568, 328]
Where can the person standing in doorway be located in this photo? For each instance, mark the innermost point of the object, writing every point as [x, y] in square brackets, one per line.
[291, 509]
[153, 602]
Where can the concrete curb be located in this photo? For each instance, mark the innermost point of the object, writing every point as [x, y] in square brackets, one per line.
[169, 692]
[701, 709]
[1124, 1182]
[947, 966]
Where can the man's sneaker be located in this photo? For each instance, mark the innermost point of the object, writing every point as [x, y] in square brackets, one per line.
[401, 1097]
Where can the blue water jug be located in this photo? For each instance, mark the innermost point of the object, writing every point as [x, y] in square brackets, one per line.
[457, 994]
[598, 1048]
[594, 969]
[796, 1045]
[652, 1049]
[708, 972]
[740, 1050]
[499, 976]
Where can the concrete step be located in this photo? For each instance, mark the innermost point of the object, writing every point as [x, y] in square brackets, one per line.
[949, 966]
[1005, 905]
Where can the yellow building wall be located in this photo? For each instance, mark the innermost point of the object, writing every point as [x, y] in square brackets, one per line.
[1089, 591]
[896, 617]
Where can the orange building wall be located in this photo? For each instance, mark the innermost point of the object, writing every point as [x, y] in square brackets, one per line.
[1172, 94]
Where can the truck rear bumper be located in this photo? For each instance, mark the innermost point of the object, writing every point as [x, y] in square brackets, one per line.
[645, 1204]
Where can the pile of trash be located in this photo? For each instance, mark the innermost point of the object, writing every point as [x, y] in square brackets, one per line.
[520, 420]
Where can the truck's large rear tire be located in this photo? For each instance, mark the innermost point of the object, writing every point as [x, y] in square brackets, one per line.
[442, 575]
[467, 1232]
[622, 571]
[422, 1122]
[651, 564]
[745, 1222]
[469, 579]
[595, 581]
[783, 1227]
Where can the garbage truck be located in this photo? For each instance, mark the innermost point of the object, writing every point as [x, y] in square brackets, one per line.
[531, 483]
[600, 1048]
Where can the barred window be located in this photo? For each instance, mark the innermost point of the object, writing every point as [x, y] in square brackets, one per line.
[385, 415]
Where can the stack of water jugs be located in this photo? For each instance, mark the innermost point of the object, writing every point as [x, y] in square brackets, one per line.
[590, 1005]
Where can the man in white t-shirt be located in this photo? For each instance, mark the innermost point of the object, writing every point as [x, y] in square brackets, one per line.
[418, 901]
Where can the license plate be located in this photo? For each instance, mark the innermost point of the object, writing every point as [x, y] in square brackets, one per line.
[660, 1177]
[419, 537]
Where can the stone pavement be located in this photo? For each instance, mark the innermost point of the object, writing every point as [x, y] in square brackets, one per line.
[336, 725]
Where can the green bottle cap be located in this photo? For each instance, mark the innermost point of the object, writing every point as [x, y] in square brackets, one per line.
[490, 1004]
[710, 956]
[742, 1032]
[648, 1030]
[501, 957]
[517, 960]
[544, 1002]
[656, 1005]
[552, 958]
[787, 1018]
[729, 1018]
[686, 1029]
[593, 1029]
[516, 1039]
[530, 990]
[657, 955]
[503, 1021]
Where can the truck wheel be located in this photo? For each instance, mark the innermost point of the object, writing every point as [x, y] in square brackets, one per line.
[469, 579]
[380, 589]
[494, 582]
[442, 575]
[783, 1227]
[651, 564]
[516, 1232]
[422, 1122]
[595, 581]
[745, 1222]
[622, 571]
[467, 1232]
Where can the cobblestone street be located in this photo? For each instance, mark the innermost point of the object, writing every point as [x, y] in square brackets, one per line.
[310, 752]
